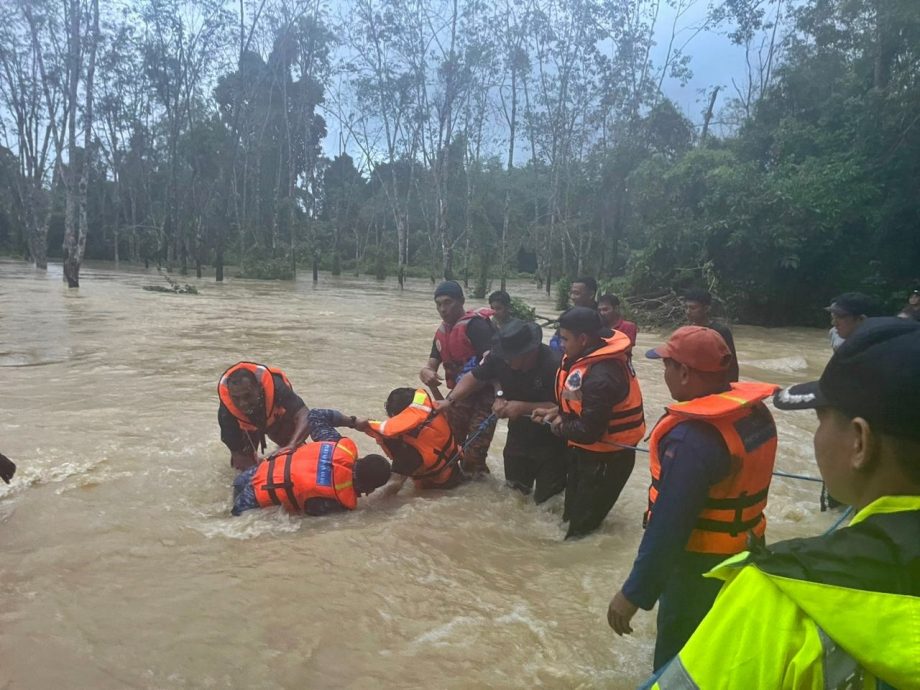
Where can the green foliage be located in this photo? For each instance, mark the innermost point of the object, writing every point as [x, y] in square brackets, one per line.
[266, 268]
[521, 310]
[562, 293]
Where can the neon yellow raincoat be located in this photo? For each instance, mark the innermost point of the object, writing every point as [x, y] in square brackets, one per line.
[831, 612]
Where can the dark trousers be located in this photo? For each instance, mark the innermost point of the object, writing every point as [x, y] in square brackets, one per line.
[535, 460]
[464, 417]
[684, 602]
[593, 485]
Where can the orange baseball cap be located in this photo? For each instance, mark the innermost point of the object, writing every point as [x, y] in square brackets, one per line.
[697, 347]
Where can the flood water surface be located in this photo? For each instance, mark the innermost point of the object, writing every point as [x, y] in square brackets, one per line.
[120, 565]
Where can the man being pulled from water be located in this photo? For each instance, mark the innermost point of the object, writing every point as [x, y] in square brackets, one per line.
[459, 343]
[711, 459]
[418, 440]
[599, 413]
[258, 401]
[325, 476]
[841, 610]
[524, 369]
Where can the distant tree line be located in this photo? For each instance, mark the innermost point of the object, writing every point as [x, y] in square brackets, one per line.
[475, 140]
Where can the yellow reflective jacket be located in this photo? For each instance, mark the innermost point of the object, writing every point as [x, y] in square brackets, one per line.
[837, 611]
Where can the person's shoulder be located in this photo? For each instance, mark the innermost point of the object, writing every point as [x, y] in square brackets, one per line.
[550, 356]
[720, 327]
[694, 432]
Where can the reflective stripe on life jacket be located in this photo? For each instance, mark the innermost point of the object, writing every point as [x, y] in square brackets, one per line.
[313, 470]
[428, 432]
[735, 505]
[627, 419]
[454, 345]
[263, 375]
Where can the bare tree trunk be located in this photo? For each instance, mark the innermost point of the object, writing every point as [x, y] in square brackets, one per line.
[87, 149]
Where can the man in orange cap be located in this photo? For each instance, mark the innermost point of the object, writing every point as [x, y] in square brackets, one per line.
[711, 460]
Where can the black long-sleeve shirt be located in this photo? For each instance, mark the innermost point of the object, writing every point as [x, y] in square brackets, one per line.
[604, 386]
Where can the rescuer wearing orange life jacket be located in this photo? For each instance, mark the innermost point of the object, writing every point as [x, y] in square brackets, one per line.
[599, 413]
[459, 343]
[711, 459]
[258, 401]
[418, 440]
[317, 478]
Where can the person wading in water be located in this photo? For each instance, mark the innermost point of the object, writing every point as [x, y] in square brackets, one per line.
[459, 343]
[258, 401]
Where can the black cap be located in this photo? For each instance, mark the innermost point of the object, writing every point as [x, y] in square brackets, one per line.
[581, 320]
[451, 288]
[875, 375]
[854, 304]
[516, 338]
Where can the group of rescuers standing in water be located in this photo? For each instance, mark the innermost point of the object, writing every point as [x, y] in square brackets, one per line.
[838, 611]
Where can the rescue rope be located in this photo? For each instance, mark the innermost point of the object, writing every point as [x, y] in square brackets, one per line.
[483, 425]
[776, 473]
[797, 476]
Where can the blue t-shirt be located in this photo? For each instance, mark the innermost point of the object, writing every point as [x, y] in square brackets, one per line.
[693, 457]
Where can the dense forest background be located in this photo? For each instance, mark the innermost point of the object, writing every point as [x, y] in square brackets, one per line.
[475, 140]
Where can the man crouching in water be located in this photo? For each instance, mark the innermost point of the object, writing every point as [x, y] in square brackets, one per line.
[418, 440]
[258, 401]
[325, 476]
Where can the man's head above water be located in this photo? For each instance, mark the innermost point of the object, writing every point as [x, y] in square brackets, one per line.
[582, 291]
[247, 393]
[448, 298]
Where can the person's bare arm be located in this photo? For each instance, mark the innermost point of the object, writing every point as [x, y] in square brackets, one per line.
[429, 373]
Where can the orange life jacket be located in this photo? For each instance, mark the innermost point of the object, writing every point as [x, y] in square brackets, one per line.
[454, 345]
[323, 469]
[263, 374]
[627, 420]
[422, 428]
[735, 505]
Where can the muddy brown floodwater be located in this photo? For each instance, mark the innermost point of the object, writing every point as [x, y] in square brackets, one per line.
[120, 566]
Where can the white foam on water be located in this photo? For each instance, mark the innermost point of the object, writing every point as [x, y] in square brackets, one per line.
[249, 525]
[785, 365]
[438, 636]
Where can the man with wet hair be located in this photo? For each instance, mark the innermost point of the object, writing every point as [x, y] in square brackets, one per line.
[459, 344]
[848, 311]
[524, 370]
[840, 610]
[258, 401]
[711, 461]
[582, 292]
[325, 476]
[608, 307]
[599, 414]
[698, 304]
[500, 304]
[418, 440]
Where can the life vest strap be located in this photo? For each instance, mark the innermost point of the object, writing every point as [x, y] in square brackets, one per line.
[626, 426]
[444, 456]
[629, 412]
[734, 528]
[287, 484]
[738, 502]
